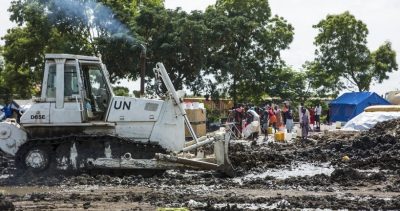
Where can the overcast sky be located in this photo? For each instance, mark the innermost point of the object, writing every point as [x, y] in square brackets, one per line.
[381, 16]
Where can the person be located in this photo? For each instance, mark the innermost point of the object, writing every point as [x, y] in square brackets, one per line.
[284, 109]
[328, 115]
[301, 113]
[311, 111]
[318, 112]
[9, 110]
[278, 117]
[249, 117]
[288, 115]
[301, 106]
[253, 121]
[238, 119]
[264, 121]
[305, 124]
[272, 118]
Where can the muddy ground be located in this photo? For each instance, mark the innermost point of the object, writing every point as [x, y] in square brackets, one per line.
[332, 171]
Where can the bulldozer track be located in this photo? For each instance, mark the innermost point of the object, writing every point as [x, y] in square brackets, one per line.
[6, 164]
[88, 146]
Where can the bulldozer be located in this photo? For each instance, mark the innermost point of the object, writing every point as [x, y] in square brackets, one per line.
[78, 125]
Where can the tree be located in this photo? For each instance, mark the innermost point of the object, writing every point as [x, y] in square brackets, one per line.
[342, 55]
[383, 62]
[177, 39]
[322, 82]
[292, 85]
[83, 27]
[121, 91]
[245, 44]
[1, 59]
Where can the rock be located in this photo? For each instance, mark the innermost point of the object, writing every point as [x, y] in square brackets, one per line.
[86, 205]
[346, 175]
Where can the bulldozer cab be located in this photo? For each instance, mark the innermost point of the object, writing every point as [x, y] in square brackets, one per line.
[77, 88]
[97, 91]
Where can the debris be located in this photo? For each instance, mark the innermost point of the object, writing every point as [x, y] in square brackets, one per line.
[374, 169]
[345, 158]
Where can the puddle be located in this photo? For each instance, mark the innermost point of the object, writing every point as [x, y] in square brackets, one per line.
[248, 206]
[22, 190]
[296, 170]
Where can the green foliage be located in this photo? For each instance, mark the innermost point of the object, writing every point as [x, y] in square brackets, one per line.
[343, 59]
[324, 83]
[76, 27]
[136, 93]
[177, 39]
[383, 62]
[245, 44]
[1, 59]
[213, 115]
[290, 84]
[236, 42]
[15, 83]
[121, 91]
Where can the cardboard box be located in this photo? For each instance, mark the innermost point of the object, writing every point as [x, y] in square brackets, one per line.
[199, 129]
[196, 115]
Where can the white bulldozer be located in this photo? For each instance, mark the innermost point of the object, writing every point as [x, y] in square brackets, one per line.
[78, 125]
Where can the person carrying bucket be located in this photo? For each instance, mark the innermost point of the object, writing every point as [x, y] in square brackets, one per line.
[272, 118]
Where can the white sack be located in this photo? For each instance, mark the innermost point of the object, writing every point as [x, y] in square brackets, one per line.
[251, 128]
[367, 120]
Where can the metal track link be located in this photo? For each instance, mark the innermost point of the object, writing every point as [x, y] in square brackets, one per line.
[6, 164]
[140, 150]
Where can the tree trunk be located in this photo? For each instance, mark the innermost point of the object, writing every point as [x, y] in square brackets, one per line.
[234, 95]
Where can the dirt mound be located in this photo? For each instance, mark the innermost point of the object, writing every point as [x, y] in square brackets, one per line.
[377, 147]
[346, 175]
[386, 127]
[253, 157]
[394, 187]
[316, 180]
[5, 204]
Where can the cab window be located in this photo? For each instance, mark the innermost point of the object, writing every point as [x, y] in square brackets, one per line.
[97, 91]
[70, 81]
[51, 81]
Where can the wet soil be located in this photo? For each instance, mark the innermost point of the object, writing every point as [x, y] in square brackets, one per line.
[299, 174]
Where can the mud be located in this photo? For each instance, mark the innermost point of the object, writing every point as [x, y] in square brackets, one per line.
[308, 174]
[6, 204]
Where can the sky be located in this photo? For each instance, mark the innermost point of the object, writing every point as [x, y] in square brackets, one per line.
[381, 16]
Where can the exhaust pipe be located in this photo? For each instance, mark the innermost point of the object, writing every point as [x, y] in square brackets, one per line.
[142, 68]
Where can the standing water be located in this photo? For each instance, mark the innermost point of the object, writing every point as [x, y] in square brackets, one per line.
[296, 170]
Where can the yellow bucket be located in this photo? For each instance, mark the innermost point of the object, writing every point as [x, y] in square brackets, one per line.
[280, 136]
[269, 130]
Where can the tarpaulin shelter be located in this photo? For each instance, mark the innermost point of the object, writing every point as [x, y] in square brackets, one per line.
[349, 105]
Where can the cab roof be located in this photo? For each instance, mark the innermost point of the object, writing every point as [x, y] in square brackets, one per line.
[72, 56]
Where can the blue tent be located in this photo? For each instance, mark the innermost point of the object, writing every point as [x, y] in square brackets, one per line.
[349, 105]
